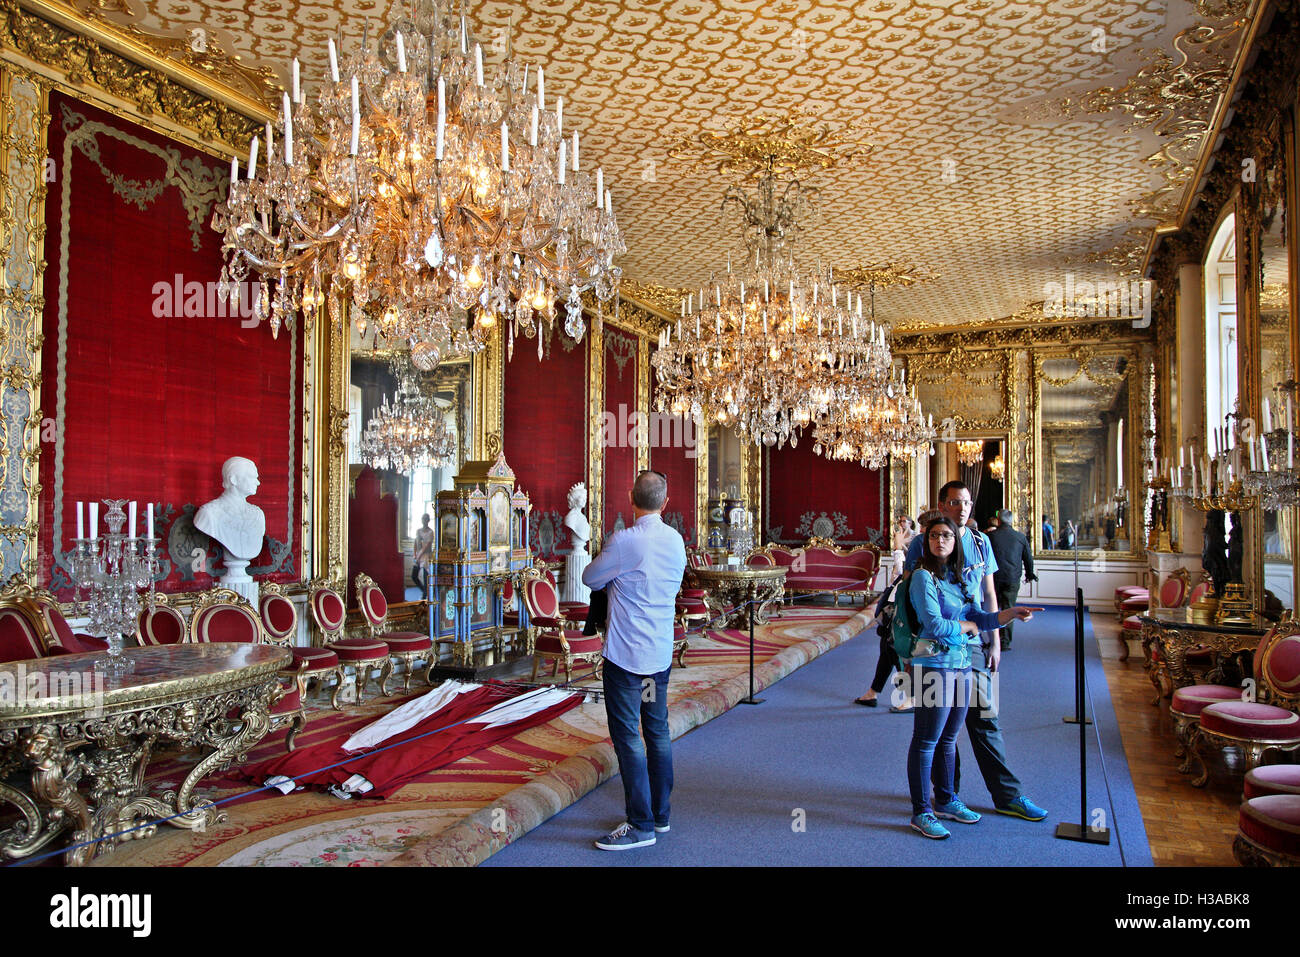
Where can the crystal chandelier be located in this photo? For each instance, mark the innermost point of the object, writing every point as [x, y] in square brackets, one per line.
[770, 348]
[410, 432]
[440, 199]
[998, 468]
[970, 451]
[875, 427]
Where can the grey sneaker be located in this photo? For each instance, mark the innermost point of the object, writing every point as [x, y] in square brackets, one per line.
[624, 838]
[662, 828]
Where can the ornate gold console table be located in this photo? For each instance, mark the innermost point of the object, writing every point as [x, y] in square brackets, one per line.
[1175, 632]
[741, 587]
[62, 723]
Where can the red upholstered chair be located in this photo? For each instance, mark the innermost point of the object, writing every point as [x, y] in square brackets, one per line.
[552, 639]
[280, 622]
[222, 615]
[1125, 592]
[330, 614]
[1268, 831]
[405, 646]
[1267, 723]
[574, 613]
[162, 624]
[20, 633]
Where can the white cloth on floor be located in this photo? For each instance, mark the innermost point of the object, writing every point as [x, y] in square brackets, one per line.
[407, 716]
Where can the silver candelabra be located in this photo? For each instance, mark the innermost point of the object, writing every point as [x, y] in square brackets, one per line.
[108, 572]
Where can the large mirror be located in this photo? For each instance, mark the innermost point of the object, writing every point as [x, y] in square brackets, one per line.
[980, 460]
[1277, 525]
[393, 396]
[1086, 456]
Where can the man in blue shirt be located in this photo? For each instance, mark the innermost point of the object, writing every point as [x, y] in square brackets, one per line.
[982, 719]
[642, 568]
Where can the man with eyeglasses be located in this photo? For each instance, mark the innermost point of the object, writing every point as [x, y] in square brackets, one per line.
[641, 568]
[982, 719]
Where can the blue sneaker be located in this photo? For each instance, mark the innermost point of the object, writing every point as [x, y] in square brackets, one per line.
[624, 838]
[956, 811]
[929, 826]
[1023, 807]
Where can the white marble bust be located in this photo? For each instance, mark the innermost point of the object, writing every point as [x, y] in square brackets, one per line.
[238, 525]
[578, 558]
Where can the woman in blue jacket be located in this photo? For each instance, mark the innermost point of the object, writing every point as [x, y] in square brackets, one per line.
[942, 599]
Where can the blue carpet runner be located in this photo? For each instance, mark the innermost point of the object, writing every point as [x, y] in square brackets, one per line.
[810, 778]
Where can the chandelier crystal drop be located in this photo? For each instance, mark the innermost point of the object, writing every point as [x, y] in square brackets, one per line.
[770, 348]
[443, 199]
[410, 432]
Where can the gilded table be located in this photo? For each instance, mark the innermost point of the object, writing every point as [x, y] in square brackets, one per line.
[63, 724]
[747, 591]
[1175, 631]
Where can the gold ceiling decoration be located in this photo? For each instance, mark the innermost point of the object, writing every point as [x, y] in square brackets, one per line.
[199, 48]
[942, 86]
[755, 146]
[883, 275]
[664, 298]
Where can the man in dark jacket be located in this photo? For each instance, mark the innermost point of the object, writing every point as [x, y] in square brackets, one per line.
[1014, 557]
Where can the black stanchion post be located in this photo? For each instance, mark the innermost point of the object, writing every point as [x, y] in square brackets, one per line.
[1078, 715]
[750, 611]
[1081, 831]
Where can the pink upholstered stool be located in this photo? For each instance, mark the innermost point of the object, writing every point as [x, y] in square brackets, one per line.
[1268, 831]
[1272, 779]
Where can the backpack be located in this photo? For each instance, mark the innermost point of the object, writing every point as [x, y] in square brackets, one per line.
[905, 629]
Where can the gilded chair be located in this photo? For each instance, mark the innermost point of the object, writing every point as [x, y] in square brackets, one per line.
[57, 636]
[21, 630]
[574, 612]
[280, 622]
[224, 615]
[404, 646]
[1268, 723]
[161, 624]
[1172, 594]
[552, 639]
[363, 654]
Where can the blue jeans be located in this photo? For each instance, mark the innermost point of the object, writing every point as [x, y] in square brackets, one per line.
[942, 698]
[647, 769]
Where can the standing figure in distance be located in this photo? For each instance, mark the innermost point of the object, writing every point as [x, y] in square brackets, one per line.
[423, 555]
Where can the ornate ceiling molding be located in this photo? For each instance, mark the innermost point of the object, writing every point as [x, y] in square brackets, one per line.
[755, 145]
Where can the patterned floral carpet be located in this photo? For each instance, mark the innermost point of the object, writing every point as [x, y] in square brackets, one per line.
[462, 813]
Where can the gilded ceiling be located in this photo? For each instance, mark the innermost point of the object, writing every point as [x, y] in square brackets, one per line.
[1014, 142]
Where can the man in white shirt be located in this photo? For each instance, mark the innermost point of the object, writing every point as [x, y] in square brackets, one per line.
[641, 567]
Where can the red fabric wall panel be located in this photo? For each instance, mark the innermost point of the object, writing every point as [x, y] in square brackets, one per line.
[546, 434]
[806, 494]
[673, 442]
[375, 553]
[149, 405]
[620, 402]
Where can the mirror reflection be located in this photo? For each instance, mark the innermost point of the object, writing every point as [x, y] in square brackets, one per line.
[1085, 455]
[1278, 524]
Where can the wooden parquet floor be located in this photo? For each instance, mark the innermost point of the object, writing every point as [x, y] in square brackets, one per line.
[1186, 826]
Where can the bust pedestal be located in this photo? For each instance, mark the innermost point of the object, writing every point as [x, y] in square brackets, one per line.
[237, 579]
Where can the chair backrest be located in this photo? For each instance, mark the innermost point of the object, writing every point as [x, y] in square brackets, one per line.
[540, 598]
[327, 608]
[1172, 592]
[20, 634]
[163, 624]
[760, 560]
[225, 615]
[279, 614]
[1198, 592]
[1277, 665]
[372, 601]
[698, 558]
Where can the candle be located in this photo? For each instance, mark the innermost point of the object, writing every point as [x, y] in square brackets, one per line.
[288, 132]
[541, 87]
[401, 53]
[297, 89]
[1263, 452]
[1254, 463]
[270, 141]
[464, 35]
[532, 138]
[559, 116]
[234, 169]
[563, 145]
[1196, 485]
[478, 64]
[1182, 462]
[600, 184]
[356, 96]
[609, 203]
[130, 520]
[148, 518]
[334, 62]
[575, 151]
[81, 520]
[442, 115]
[94, 520]
[252, 159]
[505, 148]
[356, 134]
[1229, 437]
[1268, 416]
[1290, 420]
[1290, 448]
